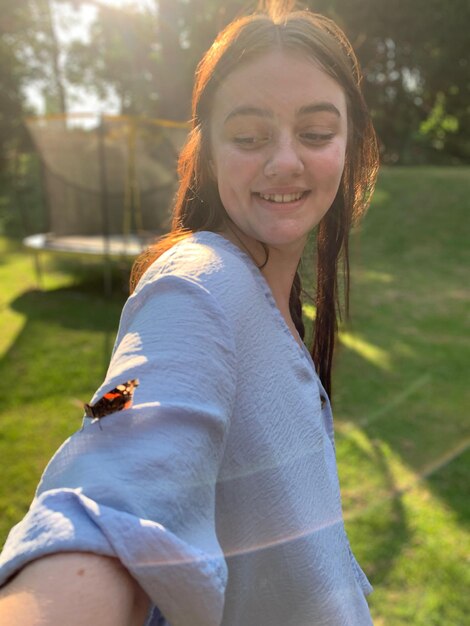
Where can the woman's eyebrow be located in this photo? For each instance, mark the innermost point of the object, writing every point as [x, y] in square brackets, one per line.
[248, 110]
[319, 107]
[307, 109]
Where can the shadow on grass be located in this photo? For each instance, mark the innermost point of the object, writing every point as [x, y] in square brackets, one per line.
[451, 484]
[377, 524]
[61, 341]
[81, 305]
[64, 345]
[416, 408]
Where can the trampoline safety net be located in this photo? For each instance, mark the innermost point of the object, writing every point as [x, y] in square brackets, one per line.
[106, 175]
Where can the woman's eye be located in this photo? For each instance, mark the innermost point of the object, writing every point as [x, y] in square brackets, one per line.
[250, 141]
[244, 140]
[316, 138]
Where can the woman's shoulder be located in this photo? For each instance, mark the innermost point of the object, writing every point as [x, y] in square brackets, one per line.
[205, 258]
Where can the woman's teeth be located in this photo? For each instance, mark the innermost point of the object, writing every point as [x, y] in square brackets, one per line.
[282, 197]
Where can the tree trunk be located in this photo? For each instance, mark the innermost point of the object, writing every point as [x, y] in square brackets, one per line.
[55, 54]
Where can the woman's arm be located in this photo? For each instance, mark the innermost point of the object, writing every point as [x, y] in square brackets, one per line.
[77, 589]
[142, 488]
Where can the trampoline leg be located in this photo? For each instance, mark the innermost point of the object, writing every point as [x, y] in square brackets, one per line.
[38, 270]
[107, 278]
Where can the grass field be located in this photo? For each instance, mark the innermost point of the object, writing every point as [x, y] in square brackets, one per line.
[401, 391]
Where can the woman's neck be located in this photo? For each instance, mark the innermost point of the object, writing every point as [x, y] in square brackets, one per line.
[279, 270]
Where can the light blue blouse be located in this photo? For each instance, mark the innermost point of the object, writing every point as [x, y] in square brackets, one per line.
[218, 489]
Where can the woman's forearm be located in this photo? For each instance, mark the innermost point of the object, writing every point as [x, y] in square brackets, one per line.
[77, 589]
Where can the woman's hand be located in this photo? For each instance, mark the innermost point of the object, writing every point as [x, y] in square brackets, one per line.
[77, 589]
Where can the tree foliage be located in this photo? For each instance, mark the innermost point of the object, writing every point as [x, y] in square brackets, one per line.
[122, 56]
[414, 57]
[12, 76]
[29, 54]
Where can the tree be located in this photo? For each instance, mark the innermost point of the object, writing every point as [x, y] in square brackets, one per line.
[12, 78]
[185, 32]
[414, 57]
[148, 57]
[121, 57]
[29, 53]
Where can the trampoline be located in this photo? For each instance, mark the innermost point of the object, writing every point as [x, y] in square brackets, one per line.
[108, 182]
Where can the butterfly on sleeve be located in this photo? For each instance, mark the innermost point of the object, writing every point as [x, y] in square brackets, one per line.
[117, 399]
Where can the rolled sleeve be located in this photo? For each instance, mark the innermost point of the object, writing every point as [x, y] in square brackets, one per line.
[140, 484]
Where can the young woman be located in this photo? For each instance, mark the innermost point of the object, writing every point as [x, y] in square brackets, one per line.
[214, 498]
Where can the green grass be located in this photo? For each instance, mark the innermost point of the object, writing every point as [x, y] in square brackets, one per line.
[54, 350]
[400, 388]
[401, 397]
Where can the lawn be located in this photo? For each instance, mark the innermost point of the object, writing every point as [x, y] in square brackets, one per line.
[401, 392]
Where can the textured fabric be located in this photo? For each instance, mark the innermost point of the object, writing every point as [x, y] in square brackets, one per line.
[218, 488]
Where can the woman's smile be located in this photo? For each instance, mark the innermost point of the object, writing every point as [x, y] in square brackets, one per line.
[282, 199]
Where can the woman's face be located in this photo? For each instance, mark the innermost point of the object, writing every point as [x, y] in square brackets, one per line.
[278, 144]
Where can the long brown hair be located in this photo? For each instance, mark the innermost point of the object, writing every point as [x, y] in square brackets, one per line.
[198, 206]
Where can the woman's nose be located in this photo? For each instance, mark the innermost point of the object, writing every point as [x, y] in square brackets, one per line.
[284, 160]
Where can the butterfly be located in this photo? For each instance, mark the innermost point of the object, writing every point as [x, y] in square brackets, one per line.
[117, 399]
